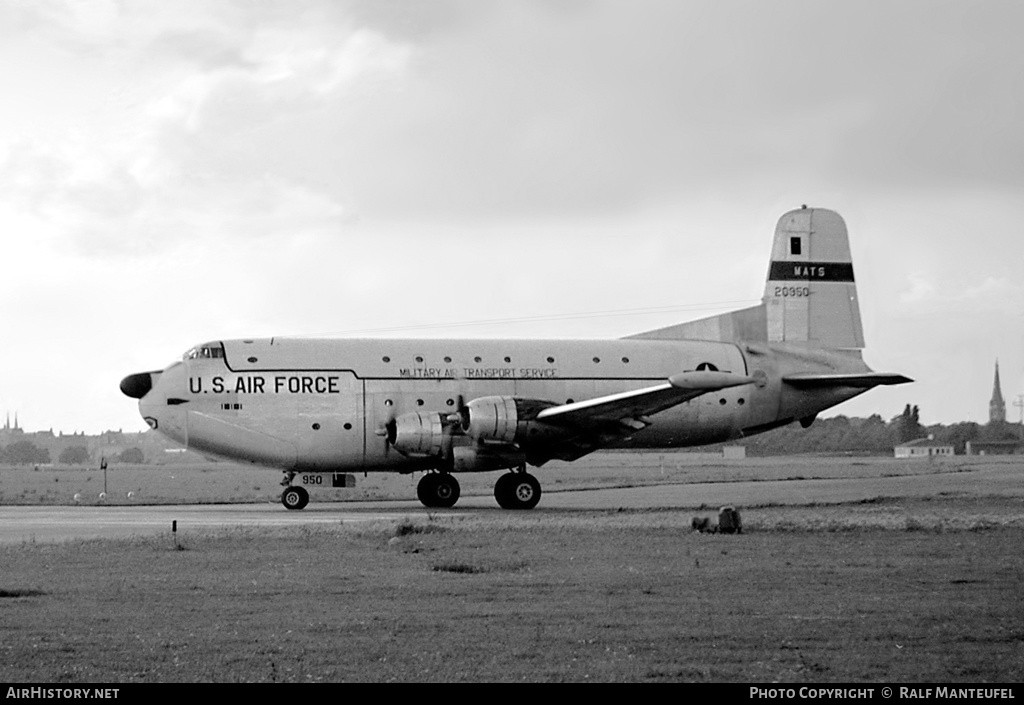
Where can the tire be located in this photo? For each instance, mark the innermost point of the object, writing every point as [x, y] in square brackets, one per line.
[438, 490]
[517, 490]
[503, 491]
[294, 498]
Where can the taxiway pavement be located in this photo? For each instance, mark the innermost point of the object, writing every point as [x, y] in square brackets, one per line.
[62, 523]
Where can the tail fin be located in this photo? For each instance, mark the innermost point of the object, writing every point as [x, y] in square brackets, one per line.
[810, 295]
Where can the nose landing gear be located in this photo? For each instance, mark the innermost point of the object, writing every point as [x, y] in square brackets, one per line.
[293, 497]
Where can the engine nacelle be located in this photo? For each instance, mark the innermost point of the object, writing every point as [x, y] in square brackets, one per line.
[491, 419]
[417, 434]
[506, 420]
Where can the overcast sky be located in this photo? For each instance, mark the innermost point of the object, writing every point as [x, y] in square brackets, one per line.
[177, 172]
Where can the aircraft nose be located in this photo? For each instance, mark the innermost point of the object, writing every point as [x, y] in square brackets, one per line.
[138, 385]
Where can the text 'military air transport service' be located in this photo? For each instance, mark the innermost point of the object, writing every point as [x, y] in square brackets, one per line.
[320, 408]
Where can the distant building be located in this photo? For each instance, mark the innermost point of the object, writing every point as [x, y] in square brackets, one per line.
[922, 448]
[994, 448]
[997, 407]
[8, 432]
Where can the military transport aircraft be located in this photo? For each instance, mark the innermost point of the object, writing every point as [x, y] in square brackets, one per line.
[332, 406]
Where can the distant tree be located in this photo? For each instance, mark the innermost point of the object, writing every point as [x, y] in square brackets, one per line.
[957, 435]
[908, 424]
[998, 431]
[73, 455]
[131, 455]
[26, 453]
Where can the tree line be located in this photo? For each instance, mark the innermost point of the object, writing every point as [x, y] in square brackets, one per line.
[28, 453]
[838, 434]
[873, 435]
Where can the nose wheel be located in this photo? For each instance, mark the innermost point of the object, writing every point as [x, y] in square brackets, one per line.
[294, 498]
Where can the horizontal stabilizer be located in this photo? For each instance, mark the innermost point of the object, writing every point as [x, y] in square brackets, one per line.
[864, 380]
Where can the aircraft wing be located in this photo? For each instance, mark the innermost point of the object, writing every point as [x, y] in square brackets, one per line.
[867, 380]
[630, 408]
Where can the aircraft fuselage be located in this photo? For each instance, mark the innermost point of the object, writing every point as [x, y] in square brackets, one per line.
[321, 405]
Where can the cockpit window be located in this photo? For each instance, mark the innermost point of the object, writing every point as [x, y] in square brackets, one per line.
[205, 352]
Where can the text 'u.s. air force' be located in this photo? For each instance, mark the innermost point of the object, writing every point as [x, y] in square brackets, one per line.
[257, 384]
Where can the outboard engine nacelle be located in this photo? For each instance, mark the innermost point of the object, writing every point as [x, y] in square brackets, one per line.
[491, 418]
[417, 434]
[505, 420]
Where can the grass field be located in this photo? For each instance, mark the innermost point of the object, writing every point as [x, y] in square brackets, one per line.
[890, 589]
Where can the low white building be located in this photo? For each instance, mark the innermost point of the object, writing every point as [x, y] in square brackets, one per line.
[922, 448]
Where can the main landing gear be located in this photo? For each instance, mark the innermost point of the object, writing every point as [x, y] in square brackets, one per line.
[438, 490]
[517, 490]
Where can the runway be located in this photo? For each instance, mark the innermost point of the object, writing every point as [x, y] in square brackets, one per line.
[44, 524]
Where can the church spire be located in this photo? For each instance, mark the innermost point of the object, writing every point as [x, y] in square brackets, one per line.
[997, 407]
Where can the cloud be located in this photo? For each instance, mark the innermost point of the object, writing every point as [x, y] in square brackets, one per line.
[215, 168]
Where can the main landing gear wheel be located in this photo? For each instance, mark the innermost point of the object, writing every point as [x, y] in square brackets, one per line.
[438, 490]
[517, 490]
[294, 498]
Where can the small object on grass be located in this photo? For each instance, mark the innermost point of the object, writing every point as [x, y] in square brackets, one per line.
[703, 525]
[729, 521]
